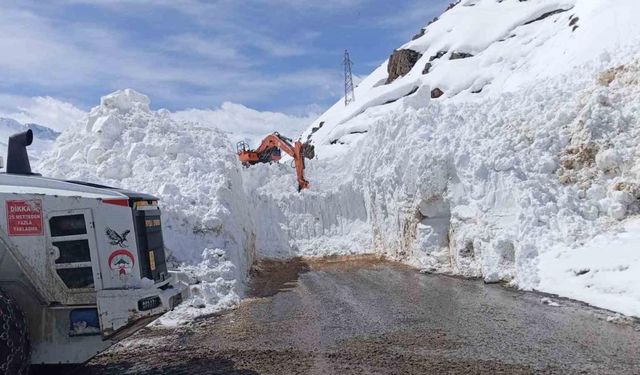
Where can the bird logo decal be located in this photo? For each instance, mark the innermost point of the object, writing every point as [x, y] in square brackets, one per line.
[117, 239]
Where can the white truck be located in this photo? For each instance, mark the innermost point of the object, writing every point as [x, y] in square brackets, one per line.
[81, 265]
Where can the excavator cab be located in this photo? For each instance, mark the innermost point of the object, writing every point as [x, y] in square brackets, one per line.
[250, 157]
[272, 155]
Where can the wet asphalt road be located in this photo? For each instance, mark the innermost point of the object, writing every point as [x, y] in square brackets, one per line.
[372, 317]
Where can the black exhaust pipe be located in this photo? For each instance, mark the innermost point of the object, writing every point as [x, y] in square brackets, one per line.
[17, 157]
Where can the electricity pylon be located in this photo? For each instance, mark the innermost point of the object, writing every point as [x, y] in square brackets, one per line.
[349, 93]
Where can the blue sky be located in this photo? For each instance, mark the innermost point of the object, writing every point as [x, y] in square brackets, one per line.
[276, 55]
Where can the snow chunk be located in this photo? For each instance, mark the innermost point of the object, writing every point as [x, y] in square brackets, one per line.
[549, 302]
[619, 319]
[126, 100]
[214, 289]
[608, 160]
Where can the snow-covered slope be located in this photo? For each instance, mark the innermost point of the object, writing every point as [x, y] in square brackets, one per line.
[526, 151]
[512, 44]
[43, 136]
[42, 132]
[10, 126]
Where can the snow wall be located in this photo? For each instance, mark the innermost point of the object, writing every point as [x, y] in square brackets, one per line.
[509, 171]
[207, 223]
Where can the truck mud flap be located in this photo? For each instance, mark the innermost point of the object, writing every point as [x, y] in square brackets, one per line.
[129, 330]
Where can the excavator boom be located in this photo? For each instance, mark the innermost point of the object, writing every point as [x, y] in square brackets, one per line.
[270, 151]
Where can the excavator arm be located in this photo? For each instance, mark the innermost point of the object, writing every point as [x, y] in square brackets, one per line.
[269, 151]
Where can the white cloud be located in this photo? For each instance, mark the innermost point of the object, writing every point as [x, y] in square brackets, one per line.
[326, 6]
[246, 124]
[210, 7]
[33, 51]
[191, 68]
[223, 55]
[45, 111]
[214, 49]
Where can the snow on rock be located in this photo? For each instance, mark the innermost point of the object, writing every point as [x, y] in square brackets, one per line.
[193, 169]
[509, 44]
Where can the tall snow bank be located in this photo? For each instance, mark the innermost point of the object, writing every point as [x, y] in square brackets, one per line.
[193, 169]
[530, 154]
[507, 189]
[483, 188]
[328, 219]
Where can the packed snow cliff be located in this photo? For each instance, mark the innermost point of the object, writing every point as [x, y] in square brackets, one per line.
[193, 169]
[496, 144]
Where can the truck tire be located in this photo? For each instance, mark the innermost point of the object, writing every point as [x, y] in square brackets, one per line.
[14, 338]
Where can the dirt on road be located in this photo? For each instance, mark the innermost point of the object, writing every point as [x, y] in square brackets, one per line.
[369, 316]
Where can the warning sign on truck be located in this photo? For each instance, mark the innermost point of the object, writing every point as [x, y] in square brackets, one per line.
[24, 217]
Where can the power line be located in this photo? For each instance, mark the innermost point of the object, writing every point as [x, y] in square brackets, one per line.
[349, 92]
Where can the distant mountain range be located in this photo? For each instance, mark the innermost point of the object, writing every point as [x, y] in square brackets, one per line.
[43, 137]
[10, 126]
[43, 132]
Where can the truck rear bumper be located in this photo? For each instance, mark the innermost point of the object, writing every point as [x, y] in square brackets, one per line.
[120, 308]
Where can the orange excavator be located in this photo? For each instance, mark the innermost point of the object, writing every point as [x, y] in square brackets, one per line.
[270, 150]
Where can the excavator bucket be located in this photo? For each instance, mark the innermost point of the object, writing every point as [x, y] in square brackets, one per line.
[309, 151]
